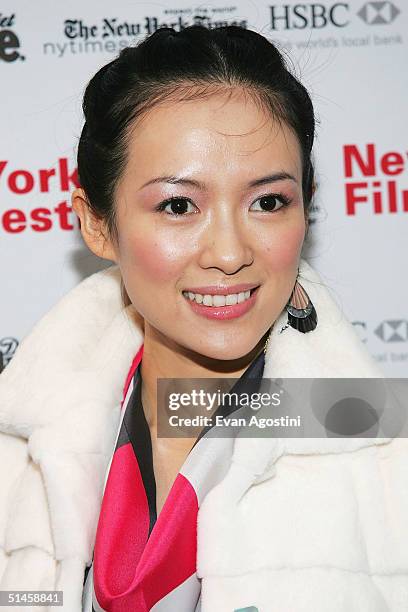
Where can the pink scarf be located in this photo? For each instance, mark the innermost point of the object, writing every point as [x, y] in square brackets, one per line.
[140, 563]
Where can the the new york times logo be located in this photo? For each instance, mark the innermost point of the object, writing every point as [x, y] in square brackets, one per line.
[111, 35]
[9, 41]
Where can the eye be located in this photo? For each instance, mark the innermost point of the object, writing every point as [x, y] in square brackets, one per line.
[272, 202]
[178, 206]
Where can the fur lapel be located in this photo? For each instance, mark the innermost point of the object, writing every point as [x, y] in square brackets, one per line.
[63, 388]
[332, 350]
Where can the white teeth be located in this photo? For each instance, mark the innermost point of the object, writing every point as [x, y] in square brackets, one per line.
[217, 300]
[232, 298]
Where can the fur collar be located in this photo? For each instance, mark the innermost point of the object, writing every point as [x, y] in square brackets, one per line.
[62, 392]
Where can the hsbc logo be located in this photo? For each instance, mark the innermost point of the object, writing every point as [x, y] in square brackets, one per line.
[395, 330]
[316, 15]
[391, 330]
[378, 13]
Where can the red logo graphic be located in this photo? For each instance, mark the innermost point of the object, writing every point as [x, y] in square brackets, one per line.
[21, 182]
[379, 190]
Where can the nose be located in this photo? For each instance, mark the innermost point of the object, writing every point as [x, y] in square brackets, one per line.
[226, 243]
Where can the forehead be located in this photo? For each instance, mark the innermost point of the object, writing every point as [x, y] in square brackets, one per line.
[227, 133]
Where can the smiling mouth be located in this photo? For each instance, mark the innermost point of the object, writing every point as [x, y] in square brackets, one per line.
[216, 301]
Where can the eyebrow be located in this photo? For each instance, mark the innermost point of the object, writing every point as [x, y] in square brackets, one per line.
[177, 180]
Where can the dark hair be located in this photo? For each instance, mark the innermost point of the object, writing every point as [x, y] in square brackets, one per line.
[179, 66]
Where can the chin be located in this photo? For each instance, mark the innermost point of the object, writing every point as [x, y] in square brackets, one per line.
[225, 353]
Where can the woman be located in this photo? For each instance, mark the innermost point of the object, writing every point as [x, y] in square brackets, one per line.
[196, 180]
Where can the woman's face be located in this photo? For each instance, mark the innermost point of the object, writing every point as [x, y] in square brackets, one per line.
[237, 218]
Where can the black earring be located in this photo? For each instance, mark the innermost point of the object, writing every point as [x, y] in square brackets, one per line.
[301, 312]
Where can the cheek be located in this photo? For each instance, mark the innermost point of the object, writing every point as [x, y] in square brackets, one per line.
[283, 248]
[157, 257]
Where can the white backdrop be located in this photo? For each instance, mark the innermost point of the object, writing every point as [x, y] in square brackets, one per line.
[351, 55]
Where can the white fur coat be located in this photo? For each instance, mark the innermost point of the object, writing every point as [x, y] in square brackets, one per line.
[296, 525]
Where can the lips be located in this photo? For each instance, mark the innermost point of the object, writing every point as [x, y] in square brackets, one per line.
[222, 312]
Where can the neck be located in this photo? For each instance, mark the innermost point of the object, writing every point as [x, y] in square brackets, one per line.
[163, 359]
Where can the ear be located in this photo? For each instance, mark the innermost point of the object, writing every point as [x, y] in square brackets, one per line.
[93, 228]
